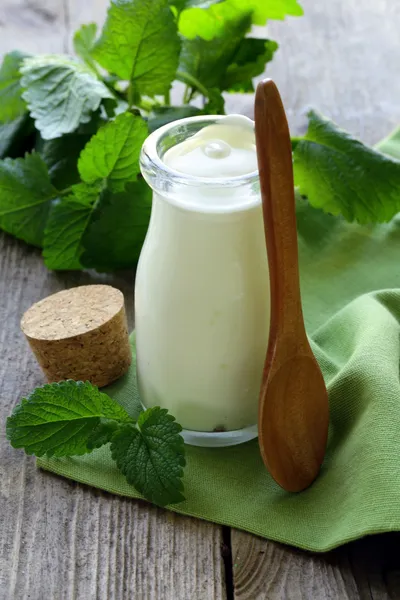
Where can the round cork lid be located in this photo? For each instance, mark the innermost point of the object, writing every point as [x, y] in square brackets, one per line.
[72, 312]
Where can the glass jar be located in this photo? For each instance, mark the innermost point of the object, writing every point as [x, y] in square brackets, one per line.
[202, 296]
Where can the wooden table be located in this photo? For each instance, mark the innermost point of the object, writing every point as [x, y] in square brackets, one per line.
[64, 541]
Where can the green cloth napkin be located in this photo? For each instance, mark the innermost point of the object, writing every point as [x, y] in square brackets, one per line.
[355, 337]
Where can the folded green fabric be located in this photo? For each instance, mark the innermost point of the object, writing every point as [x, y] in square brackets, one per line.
[358, 490]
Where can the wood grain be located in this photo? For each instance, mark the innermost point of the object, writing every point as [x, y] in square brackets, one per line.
[70, 540]
[365, 570]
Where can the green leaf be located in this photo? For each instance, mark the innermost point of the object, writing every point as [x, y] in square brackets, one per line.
[162, 115]
[116, 232]
[62, 246]
[61, 157]
[276, 10]
[65, 228]
[208, 61]
[12, 105]
[102, 434]
[210, 23]
[249, 61]
[140, 43]
[59, 418]
[25, 197]
[151, 456]
[13, 135]
[391, 144]
[84, 40]
[61, 93]
[343, 176]
[113, 153]
[215, 104]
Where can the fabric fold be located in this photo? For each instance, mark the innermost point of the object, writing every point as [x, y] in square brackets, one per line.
[358, 490]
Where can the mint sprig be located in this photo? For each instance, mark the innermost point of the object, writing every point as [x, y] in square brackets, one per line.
[151, 455]
[73, 418]
[73, 127]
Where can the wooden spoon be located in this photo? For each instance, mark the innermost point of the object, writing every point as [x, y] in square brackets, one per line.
[293, 409]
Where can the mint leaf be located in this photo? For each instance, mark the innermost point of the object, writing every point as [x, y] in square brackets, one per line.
[215, 104]
[391, 144]
[113, 153]
[65, 228]
[116, 232]
[13, 135]
[11, 103]
[343, 176]
[58, 419]
[62, 246]
[249, 61]
[161, 115]
[84, 40]
[61, 157]
[97, 229]
[277, 10]
[208, 61]
[61, 93]
[151, 456]
[102, 434]
[25, 197]
[210, 23]
[140, 43]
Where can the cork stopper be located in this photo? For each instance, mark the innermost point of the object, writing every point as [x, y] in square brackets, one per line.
[80, 334]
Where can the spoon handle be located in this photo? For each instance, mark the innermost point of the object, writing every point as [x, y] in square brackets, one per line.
[274, 154]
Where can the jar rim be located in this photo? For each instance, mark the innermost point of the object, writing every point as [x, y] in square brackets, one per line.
[150, 158]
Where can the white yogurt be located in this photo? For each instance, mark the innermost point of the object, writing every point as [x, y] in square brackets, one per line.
[202, 287]
[226, 149]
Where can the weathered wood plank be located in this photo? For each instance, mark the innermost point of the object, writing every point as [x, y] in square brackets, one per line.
[327, 60]
[61, 540]
[367, 569]
[33, 26]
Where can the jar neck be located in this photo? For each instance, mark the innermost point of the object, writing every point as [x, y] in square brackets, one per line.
[190, 192]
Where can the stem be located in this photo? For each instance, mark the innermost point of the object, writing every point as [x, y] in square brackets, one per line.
[167, 98]
[192, 82]
[116, 93]
[93, 66]
[65, 192]
[186, 95]
[134, 98]
[130, 95]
